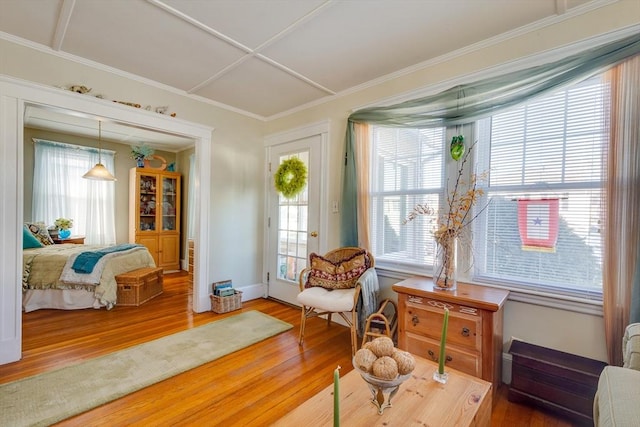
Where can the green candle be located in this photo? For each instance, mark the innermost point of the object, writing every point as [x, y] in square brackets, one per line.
[336, 397]
[443, 339]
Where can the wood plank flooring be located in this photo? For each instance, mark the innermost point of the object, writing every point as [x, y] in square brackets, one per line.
[252, 387]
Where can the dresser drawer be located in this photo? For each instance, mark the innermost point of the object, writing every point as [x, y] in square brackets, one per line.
[425, 316]
[456, 358]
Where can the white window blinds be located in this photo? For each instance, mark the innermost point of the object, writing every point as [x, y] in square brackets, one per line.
[407, 169]
[550, 149]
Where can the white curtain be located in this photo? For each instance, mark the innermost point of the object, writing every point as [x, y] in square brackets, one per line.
[60, 191]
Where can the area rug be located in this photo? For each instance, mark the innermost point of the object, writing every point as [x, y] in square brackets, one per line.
[53, 396]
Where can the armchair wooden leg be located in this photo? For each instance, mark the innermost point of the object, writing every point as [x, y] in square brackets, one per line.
[354, 334]
[302, 324]
[328, 318]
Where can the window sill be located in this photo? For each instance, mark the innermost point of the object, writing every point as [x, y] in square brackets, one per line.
[561, 302]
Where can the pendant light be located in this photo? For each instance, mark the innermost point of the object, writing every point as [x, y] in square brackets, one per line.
[99, 172]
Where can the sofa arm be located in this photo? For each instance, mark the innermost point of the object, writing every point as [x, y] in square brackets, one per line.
[616, 401]
[631, 346]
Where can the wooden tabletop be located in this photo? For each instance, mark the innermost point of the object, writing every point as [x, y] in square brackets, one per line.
[463, 401]
[483, 297]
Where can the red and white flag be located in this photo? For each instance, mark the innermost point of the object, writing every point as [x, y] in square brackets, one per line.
[538, 223]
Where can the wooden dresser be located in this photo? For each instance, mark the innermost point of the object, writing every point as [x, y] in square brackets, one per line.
[474, 336]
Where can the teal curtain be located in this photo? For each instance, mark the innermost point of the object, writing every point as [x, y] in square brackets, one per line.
[470, 102]
[349, 218]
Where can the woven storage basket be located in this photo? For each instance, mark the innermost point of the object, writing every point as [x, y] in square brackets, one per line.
[226, 304]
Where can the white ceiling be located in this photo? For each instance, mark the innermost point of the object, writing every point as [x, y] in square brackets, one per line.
[264, 58]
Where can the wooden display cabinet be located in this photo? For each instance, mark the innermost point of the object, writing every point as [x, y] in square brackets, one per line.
[154, 214]
[474, 335]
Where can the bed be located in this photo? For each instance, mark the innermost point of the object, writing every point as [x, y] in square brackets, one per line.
[49, 281]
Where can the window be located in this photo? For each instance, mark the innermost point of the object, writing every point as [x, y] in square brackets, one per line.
[552, 148]
[60, 191]
[406, 169]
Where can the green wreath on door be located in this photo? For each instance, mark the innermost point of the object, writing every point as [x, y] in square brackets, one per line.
[291, 177]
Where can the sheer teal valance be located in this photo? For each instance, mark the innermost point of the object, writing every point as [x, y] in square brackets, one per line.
[469, 102]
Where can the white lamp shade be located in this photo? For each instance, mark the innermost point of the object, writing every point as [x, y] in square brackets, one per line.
[99, 173]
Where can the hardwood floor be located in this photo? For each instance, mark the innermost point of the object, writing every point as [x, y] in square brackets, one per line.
[254, 386]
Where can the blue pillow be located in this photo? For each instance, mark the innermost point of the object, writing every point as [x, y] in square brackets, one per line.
[29, 240]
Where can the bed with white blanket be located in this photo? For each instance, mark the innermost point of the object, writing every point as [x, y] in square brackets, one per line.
[70, 276]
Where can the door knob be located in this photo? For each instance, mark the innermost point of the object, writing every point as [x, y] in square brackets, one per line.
[314, 234]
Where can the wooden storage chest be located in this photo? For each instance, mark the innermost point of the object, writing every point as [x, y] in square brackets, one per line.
[554, 380]
[139, 286]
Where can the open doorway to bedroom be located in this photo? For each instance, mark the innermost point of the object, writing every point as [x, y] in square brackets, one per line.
[16, 97]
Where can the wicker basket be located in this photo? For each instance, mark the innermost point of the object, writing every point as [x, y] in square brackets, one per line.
[226, 304]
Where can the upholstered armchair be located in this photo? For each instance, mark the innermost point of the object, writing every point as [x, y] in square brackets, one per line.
[343, 281]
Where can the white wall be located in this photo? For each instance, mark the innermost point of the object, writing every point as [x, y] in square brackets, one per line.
[560, 328]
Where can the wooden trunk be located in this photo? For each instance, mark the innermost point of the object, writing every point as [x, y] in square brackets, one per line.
[139, 286]
[554, 380]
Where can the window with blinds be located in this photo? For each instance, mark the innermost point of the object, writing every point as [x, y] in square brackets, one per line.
[545, 191]
[406, 169]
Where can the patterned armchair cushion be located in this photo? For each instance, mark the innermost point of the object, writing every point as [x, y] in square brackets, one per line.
[341, 274]
[40, 232]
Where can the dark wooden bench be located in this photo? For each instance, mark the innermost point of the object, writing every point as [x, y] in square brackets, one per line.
[554, 380]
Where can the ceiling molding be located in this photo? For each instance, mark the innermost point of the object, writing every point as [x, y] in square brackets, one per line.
[518, 64]
[120, 73]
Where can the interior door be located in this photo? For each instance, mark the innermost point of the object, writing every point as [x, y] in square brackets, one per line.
[293, 224]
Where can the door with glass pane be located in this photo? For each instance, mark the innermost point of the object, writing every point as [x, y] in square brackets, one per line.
[293, 223]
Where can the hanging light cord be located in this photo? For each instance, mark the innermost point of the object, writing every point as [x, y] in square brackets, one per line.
[100, 141]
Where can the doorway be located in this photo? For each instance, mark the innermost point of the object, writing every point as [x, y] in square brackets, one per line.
[15, 96]
[294, 225]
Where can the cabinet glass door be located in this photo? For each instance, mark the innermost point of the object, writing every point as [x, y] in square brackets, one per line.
[148, 196]
[169, 203]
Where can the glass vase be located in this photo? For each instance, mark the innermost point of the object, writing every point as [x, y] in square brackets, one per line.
[445, 265]
[64, 234]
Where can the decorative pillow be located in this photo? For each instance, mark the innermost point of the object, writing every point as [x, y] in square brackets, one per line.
[40, 232]
[337, 275]
[28, 240]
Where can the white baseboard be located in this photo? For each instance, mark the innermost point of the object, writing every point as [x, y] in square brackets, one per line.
[255, 291]
[507, 361]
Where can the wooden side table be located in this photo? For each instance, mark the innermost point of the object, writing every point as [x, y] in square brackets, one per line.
[474, 336]
[78, 240]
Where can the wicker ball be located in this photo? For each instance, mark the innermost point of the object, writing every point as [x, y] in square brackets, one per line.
[385, 368]
[382, 346]
[364, 359]
[406, 362]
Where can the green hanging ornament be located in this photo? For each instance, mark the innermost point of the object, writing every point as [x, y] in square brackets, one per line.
[457, 147]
